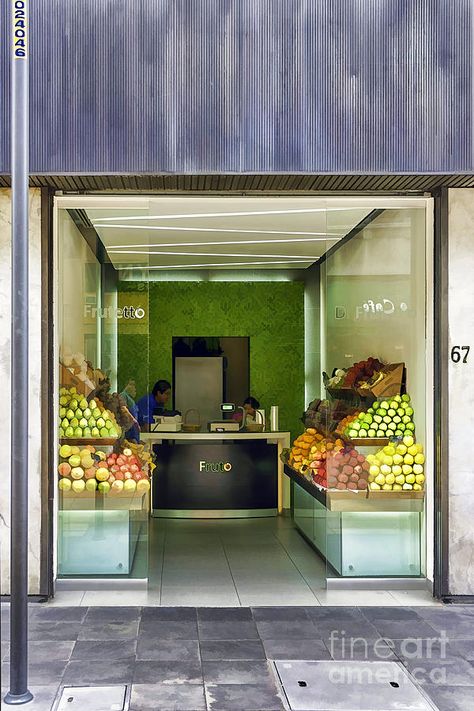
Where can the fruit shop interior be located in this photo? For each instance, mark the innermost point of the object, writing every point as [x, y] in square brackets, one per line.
[318, 306]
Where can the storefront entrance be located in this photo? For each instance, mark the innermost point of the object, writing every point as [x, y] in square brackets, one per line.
[243, 407]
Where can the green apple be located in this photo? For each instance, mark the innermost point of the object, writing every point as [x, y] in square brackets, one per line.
[87, 413]
[92, 404]
[407, 469]
[419, 458]
[410, 479]
[380, 479]
[78, 413]
[74, 422]
[397, 487]
[382, 412]
[104, 487]
[104, 432]
[86, 432]
[398, 433]
[363, 433]
[408, 441]
[353, 434]
[418, 469]
[387, 487]
[100, 423]
[396, 470]
[420, 478]
[61, 432]
[83, 404]
[64, 484]
[380, 433]
[397, 419]
[408, 459]
[400, 479]
[70, 414]
[62, 412]
[406, 398]
[374, 486]
[83, 422]
[392, 426]
[95, 412]
[355, 425]
[391, 412]
[384, 404]
[407, 487]
[383, 426]
[69, 432]
[91, 422]
[390, 478]
[385, 469]
[377, 419]
[95, 432]
[78, 432]
[65, 424]
[74, 404]
[410, 426]
[91, 484]
[374, 470]
[371, 433]
[376, 405]
[397, 459]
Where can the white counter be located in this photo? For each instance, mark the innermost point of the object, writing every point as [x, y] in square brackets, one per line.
[281, 439]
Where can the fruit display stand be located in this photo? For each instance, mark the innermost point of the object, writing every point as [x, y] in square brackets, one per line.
[99, 534]
[360, 533]
[85, 441]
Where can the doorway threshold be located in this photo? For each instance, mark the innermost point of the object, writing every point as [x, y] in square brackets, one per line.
[101, 584]
[378, 584]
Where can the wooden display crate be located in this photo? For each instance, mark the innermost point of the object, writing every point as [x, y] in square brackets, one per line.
[94, 441]
[69, 379]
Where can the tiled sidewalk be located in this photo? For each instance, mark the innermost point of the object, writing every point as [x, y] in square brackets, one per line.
[217, 659]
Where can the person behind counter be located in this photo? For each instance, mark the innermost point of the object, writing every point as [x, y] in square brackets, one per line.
[154, 403]
[250, 405]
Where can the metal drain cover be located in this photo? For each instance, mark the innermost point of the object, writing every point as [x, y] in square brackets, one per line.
[350, 686]
[94, 698]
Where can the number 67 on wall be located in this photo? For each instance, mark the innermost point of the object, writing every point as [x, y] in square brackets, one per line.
[460, 354]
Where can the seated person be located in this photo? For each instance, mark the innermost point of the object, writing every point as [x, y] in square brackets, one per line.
[250, 405]
[154, 403]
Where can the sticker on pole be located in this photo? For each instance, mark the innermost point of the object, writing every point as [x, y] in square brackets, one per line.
[20, 28]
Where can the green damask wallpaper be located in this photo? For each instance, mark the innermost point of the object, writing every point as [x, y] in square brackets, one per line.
[271, 313]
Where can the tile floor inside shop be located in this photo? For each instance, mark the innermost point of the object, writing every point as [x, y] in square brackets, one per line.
[227, 563]
[219, 659]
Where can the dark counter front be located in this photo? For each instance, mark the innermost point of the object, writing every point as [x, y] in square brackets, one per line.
[212, 479]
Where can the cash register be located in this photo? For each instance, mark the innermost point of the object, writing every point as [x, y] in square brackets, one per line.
[227, 408]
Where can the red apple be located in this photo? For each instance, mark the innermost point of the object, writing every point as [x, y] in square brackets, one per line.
[119, 476]
[111, 479]
[128, 475]
[134, 468]
[137, 476]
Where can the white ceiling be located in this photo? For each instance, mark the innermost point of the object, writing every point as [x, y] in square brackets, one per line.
[179, 233]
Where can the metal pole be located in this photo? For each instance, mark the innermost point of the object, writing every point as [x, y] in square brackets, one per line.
[19, 693]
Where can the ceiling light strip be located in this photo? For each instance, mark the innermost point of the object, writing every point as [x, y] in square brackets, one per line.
[216, 254]
[309, 210]
[225, 242]
[222, 264]
[216, 229]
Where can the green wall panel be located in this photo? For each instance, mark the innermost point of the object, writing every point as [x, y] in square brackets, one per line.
[270, 313]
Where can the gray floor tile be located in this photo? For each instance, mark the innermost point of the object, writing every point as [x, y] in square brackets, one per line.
[117, 631]
[89, 671]
[43, 613]
[360, 649]
[53, 631]
[463, 647]
[228, 650]
[237, 672]
[233, 630]
[335, 613]
[171, 697]
[168, 630]
[168, 673]
[455, 622]
[451, 698]
[281, 629]
[404, 629]
[242, 697]
[304, 649]
[443, 672]
[183, 650]
[104, 649]
[432, 648]
[112, 614]
[280, 614]
[346, 629]
[53, 651]
[224, 614]
[45, 673]
[168, 614]
[390, 613]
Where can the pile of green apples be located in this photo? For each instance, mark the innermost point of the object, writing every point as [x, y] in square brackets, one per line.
[386, 418]
[397, 467]
[79, 417]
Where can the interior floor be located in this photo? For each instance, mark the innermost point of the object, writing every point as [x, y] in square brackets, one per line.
[234, 563]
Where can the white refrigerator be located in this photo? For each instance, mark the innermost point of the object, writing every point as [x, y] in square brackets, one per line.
[199, 384]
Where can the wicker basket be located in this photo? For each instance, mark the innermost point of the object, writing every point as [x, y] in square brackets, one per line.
[254, 427]
[188, 426]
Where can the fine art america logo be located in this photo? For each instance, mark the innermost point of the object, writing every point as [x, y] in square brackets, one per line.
[214, 466]
[130, 312]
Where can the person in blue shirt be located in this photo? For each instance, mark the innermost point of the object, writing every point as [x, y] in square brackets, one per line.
[154, 403]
